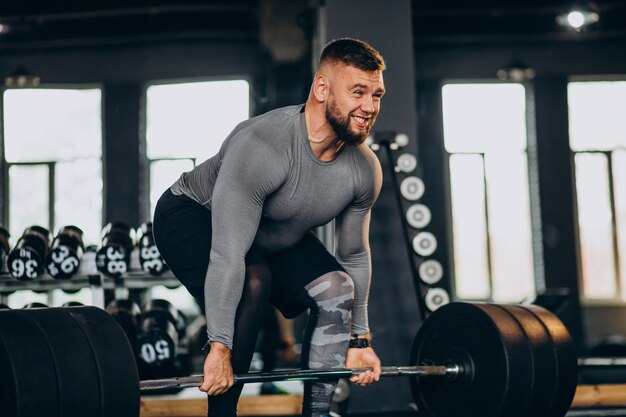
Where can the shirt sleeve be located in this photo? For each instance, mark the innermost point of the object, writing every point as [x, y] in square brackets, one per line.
[250, 170]
[353, 250]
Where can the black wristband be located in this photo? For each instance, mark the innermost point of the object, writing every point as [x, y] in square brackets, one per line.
[359, 343]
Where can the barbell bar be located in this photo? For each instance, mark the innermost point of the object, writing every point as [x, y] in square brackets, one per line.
[475, 360]
[300, 375]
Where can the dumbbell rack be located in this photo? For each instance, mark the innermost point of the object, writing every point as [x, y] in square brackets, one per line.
[96, 282]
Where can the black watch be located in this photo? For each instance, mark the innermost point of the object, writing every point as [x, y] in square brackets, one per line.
[359, 343]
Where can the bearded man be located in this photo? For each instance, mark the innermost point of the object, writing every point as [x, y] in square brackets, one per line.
[236, 230]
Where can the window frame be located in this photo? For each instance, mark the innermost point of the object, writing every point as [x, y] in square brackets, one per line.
[146, 162]
[617, 300]
[5, 165]
[530, 151]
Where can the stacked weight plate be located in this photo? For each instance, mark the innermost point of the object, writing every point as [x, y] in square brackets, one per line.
[515, 361]
[66, 362]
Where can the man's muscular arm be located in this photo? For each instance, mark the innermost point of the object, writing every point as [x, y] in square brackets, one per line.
[250, 171]
[353, 252]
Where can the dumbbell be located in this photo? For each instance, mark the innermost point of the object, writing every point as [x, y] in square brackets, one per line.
[72, 304]
[26, 260]
[113, 256]
[151, 260]
[158, 333]
[34, 305]
[65, 253]
[126, 313]
[5, 248]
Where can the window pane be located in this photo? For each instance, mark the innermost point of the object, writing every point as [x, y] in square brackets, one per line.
[619, 188]
[191, 120]
[20, 298]
[180, 297]
[469, 226]
[595, 226]
[596, 115]
[509, 227]
[52, 124]
[78, 198]
[484, 117]
[84, 296]
[28, 201]
[163, 174]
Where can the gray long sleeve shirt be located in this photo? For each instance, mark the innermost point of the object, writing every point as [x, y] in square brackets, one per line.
[266, 186]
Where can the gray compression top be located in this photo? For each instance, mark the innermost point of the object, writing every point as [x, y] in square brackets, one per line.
[266, 186]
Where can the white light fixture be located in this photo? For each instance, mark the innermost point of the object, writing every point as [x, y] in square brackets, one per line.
[578, 18]
[516, 71]
[22, 78]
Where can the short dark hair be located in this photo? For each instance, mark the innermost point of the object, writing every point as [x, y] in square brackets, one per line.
[353, 52]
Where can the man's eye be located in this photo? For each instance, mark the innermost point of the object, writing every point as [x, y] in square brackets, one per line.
[358, 92]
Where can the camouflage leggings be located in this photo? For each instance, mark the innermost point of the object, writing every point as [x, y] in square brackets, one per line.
[330, 299]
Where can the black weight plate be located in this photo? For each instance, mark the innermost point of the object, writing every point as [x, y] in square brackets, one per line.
[566, 359]
[119, 380]
[544, 365]
[79, 388]
[493, 356]
[28, 380]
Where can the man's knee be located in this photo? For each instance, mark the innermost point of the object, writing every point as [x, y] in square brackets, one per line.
[333, 292]
[258, 280]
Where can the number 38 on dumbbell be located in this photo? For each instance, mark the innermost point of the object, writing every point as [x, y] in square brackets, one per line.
[113, 256]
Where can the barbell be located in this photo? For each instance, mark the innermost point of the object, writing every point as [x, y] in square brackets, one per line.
[473, 360]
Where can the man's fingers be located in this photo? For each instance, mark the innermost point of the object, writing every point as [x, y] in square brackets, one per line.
[213, 387]
[364, 378]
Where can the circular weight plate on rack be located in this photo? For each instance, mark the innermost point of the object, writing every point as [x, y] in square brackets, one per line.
[430, 272]
[435, 298]
[401, 139]
[544, 362]
[406, 163]
[28, 380]
[115, 360]
[424, 243]
[418, 216]
[564, 351]
[79, 388]
[494, 359]
[412, 188]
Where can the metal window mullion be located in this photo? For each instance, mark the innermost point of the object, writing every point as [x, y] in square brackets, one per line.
[51, 194]
[616, 260]
[487, 231]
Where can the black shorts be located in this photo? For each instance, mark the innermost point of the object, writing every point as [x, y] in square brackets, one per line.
[182, 232]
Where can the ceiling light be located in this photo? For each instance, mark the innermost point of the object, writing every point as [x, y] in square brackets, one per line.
[22, 78]
[516, 71]
[578, 18]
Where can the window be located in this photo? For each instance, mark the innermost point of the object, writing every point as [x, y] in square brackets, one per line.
[490, 198]
[187, 123]
[597, 131]
[53, 148]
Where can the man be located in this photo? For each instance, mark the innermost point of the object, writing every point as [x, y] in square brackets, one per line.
[236, 230]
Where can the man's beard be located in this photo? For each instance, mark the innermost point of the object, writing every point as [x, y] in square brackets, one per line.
[341, 127]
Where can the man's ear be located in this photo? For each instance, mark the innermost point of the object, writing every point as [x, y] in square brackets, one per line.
[321, 88]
